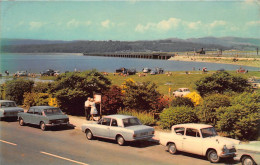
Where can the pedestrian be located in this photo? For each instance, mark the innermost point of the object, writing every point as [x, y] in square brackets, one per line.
[93, 110]
[87, 108]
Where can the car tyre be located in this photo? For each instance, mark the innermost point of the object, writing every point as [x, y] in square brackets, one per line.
[43, 126]
[213, 156]
[120, 140]
[247, 160]
[21, 122]
[89, 135]
[172, 148]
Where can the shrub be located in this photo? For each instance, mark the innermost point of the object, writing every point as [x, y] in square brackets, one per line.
[182, 101]
[144, 117]
[221, 82]
[15, 89]
[177, 115]
[42, 87]
[35, 99]
[242, 119]
[195, 98]
[207, 111]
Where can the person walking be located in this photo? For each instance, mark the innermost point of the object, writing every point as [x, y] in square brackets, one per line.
[87, 108]
[93, 110]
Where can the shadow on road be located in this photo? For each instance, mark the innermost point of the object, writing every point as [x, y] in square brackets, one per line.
[53, 128]
[9, 119]
[227, 161]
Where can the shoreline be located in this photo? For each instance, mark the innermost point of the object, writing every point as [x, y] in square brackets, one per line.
[252, 62]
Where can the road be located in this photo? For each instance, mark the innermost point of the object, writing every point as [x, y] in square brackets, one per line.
[28, 145]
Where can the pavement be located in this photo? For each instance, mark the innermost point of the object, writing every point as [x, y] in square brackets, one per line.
[77, 121]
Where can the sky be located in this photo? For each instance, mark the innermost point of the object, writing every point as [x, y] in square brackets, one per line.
[129, 20]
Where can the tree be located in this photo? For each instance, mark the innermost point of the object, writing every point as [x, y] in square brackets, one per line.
[177, 115]
[15, 89]
[195, 98]
[182, 101]
[221, 82]
[242, 119]
[112, 100]
[207, 111]
[72, 89]
[141, 96]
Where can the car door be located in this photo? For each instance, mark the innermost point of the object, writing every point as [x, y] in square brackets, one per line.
[27, 117]
[37, 116]
[103, 128]
[192, 141]
[114, 129]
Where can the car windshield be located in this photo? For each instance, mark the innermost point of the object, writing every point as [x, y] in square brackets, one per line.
[131, 122]
[7, 104]
[208, 132]
[52, 111]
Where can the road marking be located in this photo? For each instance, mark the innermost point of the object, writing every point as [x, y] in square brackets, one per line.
[8, 142]
[74, 161]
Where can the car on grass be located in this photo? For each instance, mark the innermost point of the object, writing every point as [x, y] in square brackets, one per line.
[44, 116]
[248, 153]
[181, 92]
[9, 109]
[200, 139]
[122, 128]
[48, 72]
[21, 73]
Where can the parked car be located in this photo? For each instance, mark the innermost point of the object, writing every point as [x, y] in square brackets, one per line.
[43, 116]
[48, 72]
[146, 70]
[21, 73]
[8, 108]
[181, 92]
[121, 128]
[200, 139]
[56, 73]
[248, 153]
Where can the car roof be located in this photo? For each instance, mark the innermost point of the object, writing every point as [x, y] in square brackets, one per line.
[42, 107]
[120, 116]
[1, 101]
[193, 125]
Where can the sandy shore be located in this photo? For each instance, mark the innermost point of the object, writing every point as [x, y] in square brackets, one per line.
[254, 62]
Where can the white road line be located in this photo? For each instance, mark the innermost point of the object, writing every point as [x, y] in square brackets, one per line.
[74, 161]
[8, 142]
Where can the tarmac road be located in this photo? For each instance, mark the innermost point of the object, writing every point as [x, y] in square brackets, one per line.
[29, 145]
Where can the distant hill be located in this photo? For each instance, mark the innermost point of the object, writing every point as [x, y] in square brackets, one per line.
[165, 45]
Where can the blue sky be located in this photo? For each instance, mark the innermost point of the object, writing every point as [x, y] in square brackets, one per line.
[128, 20]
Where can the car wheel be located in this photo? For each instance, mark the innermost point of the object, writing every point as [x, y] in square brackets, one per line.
[43, 126]
[21, 122]
[247, 160]
[120, 140]
[213, 156]
[89, 135]
[172, 148]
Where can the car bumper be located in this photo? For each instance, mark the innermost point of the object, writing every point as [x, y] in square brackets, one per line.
[142, 138]
[227, 155]
[57, 124]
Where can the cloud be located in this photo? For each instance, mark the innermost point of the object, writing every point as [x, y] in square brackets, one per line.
[73, 23]
[194, 25]
[35, 25]
[218, 23]
[253, 23]
[106, 23]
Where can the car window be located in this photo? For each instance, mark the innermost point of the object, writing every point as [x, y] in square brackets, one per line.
[179, 130]
[131, 122]
[106, 121]
[192, 132]
[7, 104]
[37, 111]
[114, 123]
[30, 110]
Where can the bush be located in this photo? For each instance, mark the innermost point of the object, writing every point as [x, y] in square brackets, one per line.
[15, 89]
[195, 98]
[177, 115]
[242, 119]
[221, 82]
[144, 117]
[42, 87]
[207, 111]
[35, 99]
[182, 101]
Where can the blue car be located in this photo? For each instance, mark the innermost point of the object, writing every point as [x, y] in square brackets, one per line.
[44, 116]
[9, 109]
[121, 128]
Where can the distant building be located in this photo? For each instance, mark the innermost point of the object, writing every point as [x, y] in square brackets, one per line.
[202, 51]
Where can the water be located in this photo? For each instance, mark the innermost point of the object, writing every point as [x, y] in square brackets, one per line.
[36, 63]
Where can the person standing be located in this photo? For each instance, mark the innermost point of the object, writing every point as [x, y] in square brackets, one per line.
[93, 110]
[87, 108]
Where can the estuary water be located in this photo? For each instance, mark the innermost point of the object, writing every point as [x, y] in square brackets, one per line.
[36, 63]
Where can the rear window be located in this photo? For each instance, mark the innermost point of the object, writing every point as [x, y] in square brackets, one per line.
[52, 111]
[131, 122]
[7, 104]
[179, 130]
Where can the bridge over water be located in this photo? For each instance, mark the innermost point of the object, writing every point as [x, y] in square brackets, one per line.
[145, 55]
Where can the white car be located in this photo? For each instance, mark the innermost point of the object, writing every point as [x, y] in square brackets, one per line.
[9, 109]
[181, 92]
[200, 139]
